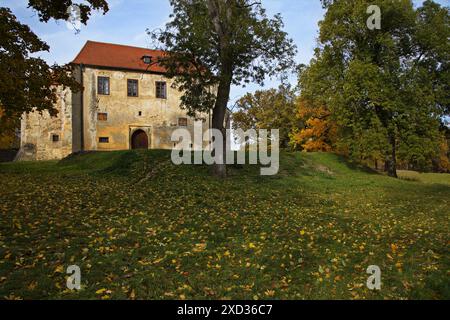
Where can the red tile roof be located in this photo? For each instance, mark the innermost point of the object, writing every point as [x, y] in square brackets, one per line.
[102, 54]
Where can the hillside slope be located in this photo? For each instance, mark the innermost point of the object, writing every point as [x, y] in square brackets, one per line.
[140, 227]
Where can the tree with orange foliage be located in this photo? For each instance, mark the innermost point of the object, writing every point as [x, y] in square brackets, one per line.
[442, 162]
[319, 130]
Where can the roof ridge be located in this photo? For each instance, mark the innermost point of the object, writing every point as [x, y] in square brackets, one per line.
[106, 54]
[121, 45]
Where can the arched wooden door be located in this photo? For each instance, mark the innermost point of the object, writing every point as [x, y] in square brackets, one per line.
[139, 140]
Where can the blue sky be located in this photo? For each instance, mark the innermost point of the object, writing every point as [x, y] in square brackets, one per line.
[127, 21]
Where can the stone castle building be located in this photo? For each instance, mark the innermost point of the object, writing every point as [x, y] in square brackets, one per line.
[127, 102]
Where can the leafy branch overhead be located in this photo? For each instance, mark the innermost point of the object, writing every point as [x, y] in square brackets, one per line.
[219, 43]
[58, 10]
[28, 82]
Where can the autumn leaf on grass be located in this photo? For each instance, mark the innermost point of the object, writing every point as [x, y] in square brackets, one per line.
[199, 247]
[32, 285]
[269, 293]
[100, 291]
[59, 269]
[251, 245]
[157, 260]
[144, 263]
[151, 232]
[394, 248]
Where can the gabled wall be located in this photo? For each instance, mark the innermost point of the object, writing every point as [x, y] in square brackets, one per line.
[159, 117]
[78, 126]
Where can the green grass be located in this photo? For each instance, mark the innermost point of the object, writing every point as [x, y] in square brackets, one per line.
[436, 178]
[140, 227]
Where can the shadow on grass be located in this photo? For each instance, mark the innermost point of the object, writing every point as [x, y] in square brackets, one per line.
[355, 166]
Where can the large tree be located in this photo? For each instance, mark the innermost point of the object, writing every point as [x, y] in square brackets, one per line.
[214, 44]
[272, 108]
[27, 82]
[390, 83]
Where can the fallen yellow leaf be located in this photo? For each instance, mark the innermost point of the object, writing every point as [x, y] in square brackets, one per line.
[100, 291]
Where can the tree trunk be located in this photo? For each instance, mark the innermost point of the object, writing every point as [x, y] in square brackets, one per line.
[391, 160]
[220, 13]
[218, 119]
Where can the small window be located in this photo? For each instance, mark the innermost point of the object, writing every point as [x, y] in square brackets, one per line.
[132, 88]
[103, 139]
[55, 137]
[161, 90]
[140, 113]
[103, 85]
[147, 59]
[102, 116]
[182, 122]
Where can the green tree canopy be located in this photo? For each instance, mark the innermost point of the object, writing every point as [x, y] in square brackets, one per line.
[265, 109]
[390, 83]
[213, 44]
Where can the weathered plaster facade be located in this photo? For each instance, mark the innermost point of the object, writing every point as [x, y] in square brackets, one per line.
[78, 126]
[111, 119]
[157, 117]
[37, 132]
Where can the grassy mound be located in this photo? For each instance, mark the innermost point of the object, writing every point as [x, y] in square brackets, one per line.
[140, 227]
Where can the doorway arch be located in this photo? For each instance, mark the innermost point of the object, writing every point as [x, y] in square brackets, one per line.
[139, 140]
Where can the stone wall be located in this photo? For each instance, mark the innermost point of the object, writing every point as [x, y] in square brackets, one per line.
[79, 127]
[39, 131]
[157, 117]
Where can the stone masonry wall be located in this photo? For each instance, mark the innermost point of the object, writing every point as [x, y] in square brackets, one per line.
[37, 130]
[157, 117]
